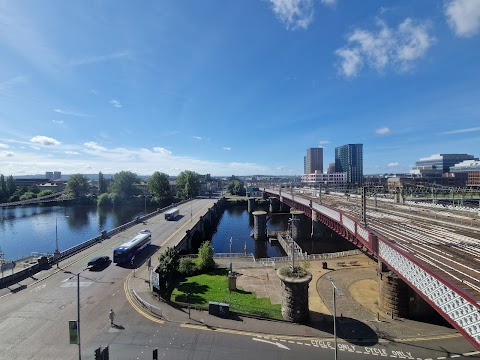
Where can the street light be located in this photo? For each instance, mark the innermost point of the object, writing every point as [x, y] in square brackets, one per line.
[57, 252]
[78, 313]
[340, 293]
[230, 255]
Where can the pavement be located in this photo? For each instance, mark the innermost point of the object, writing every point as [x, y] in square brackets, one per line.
[358, 319]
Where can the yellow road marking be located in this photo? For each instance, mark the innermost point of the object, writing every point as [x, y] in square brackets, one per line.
[141, 311]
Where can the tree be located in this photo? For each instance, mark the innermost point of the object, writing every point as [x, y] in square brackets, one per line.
[159, 186]
[44, 193]
[123, 184]
[11, 186]
[205, 256]
[3, 188]
[235, 187]
[79, 185]
[188, 184]
[167, 270]
[102, 184]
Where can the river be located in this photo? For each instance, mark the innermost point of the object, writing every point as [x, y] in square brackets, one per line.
[36, 228]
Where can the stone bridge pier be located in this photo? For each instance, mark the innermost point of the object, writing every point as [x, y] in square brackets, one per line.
[259, 225]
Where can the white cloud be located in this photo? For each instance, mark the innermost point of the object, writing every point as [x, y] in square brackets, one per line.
[35, 147]
[463, 16]
[396, 48]
[4, 146]
[294, 14]
[462, 131]
[393, 164]
[331, 3]
[72, 153]
[324, 142]
[227, 148]
[7, 153]
[44, 140]
[94, 91]
[197, 137]
[162, 151]
[57, 121]
[64, 112]
[115, 103]
[94, 146]
[97, 59]
[382, 131]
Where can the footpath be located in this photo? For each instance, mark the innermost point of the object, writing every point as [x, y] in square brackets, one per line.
[358, 320]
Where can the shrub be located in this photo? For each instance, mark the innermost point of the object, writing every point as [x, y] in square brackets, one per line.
[205, 257]
[187, 267]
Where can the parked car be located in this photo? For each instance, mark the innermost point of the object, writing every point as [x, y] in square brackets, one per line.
[98, 262]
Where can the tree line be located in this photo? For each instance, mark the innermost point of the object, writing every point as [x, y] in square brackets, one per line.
[123, 186]
[9, 192]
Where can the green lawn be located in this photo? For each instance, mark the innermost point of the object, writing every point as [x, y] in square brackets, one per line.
[213, 286]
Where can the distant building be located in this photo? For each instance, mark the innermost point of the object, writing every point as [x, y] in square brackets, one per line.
[335, 180]
[53, 175]
[439, 164]
[349, 159]
[471, 168]
[331, 168]
[313, 161]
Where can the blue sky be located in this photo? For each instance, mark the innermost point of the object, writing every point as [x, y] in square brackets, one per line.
[235, 87]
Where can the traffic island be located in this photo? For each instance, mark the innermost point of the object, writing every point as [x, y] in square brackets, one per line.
[295, 293]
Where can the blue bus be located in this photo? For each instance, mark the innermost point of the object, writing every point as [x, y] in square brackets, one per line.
[127, 251]
[172, 214]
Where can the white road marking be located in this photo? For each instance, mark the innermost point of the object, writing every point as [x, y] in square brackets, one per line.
[281, 346]
[38, 288]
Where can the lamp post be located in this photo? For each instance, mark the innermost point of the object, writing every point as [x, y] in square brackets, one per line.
[230, 255]
[78, 313]
[57, 252]
[335, 289]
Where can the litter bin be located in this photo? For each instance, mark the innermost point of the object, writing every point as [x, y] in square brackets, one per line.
[324, 265]
[224, 310]
[213, 308]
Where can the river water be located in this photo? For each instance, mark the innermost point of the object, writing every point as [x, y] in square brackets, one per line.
[36, 228]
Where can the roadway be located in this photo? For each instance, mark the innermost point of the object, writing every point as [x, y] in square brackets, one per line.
[34, 313]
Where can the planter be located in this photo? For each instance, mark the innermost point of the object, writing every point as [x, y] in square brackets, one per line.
[294, 296]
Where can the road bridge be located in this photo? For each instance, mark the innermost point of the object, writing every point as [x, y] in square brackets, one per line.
[435, 252]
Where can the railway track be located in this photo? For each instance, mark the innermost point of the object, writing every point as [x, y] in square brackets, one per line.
[447, 242]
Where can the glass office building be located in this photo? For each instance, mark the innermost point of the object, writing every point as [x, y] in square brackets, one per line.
[349, 159]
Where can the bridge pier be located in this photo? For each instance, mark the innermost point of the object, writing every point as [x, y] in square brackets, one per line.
[318, 229]
[274, 205]
[296, 224]
[259, 225]
[251, 205]
[394, 299]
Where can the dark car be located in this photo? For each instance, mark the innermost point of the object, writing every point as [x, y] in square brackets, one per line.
[98, 262]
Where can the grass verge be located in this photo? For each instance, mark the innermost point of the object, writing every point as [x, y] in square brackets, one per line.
[213, 286]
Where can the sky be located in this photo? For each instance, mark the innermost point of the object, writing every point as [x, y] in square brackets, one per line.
[235, 87]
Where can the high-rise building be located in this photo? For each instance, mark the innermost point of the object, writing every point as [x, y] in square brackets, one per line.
[57, 175]
[349, 159]
[313, 161]
[49, 175]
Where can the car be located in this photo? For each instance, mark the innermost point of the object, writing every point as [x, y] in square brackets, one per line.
[98, 262]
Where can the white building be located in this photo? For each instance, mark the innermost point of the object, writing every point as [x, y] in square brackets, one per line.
[337, 179]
